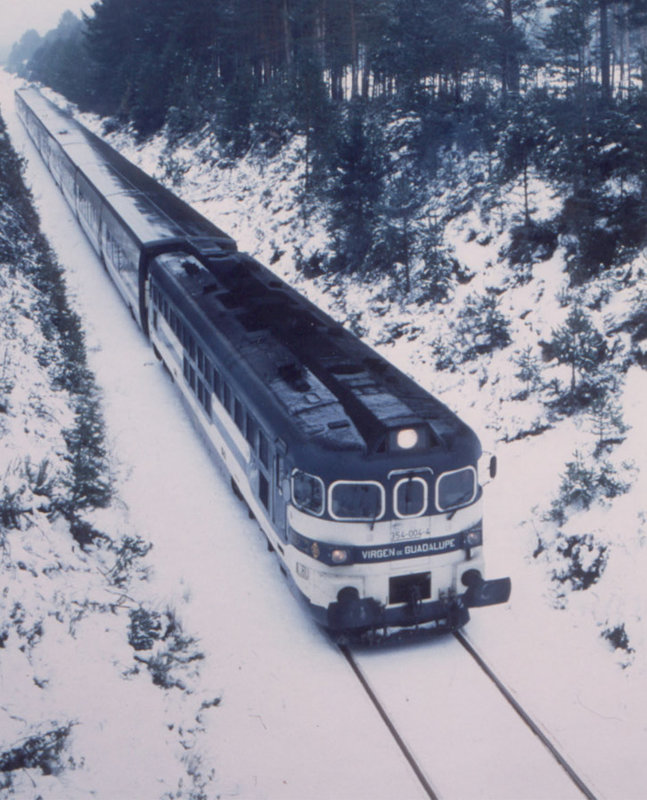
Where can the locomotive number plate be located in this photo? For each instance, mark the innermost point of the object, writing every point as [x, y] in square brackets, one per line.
[408, 530]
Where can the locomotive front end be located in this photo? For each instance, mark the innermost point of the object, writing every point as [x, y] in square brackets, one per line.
[395, 540]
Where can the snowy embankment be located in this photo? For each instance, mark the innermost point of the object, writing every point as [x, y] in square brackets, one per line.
[264, 693]
[289, 721]
[567, 514]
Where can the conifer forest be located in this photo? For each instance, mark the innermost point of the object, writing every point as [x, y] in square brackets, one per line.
[381, 90]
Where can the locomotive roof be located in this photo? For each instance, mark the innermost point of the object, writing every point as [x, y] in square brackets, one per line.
[334, 390]
[149, 210]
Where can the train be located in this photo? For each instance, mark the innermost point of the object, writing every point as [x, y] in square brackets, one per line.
[365, 485]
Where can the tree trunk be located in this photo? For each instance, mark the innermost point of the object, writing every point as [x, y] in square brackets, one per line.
[605, 56]
[287, 39]
[526, 200]
[510, 62]
[353, 49]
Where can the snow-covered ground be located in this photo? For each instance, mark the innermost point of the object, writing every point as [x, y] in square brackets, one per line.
[291, 722]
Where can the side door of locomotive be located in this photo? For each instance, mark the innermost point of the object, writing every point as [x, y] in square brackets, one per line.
[280, 490]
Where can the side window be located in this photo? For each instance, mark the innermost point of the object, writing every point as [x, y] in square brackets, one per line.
[252, 427]
[308, 492]
[227, 397]
[239, 415]
[189, 373]
[216, 382]
[204, 396]
[189, 342]
[263, 449]
[264, 490]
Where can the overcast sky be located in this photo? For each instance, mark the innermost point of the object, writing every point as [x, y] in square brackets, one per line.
[18, 16]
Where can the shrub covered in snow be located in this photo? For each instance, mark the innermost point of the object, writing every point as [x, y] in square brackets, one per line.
[480, 328]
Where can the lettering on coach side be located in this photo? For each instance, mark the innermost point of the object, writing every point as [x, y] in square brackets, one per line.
[428, 547]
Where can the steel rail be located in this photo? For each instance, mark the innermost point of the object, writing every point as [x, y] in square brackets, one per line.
[523, 714]
[410, 758]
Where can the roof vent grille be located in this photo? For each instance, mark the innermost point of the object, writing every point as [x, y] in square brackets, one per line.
[293, 374]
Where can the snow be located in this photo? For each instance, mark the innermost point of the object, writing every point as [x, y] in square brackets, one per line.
[291, 721]
[452, 688]
[275, 731]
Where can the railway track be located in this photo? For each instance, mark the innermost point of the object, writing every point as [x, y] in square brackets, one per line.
[458, 746]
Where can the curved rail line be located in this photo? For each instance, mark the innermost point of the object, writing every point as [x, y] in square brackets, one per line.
[428, 788]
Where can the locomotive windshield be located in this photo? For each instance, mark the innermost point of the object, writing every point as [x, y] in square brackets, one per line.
[410, 496]
[456, 488]
[356, 500]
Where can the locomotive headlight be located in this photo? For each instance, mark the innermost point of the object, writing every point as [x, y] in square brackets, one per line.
[339, 556]
[474, 536]
[407, 438]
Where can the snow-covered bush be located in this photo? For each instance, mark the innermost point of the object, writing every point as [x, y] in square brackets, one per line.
[529, 244]
[585, 559]
[128, 554]
[480, 328]
[583, 482]
[42, 751]
[617, 637]
[173, 654]
[23, 483]
[13, 502]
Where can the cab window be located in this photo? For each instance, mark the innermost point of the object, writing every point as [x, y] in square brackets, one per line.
[307, 492]
[356, 500]
[457, 488]
[410, 497]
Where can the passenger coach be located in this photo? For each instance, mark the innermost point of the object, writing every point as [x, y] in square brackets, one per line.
[364, 484]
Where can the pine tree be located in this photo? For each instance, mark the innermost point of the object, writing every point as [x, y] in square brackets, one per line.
[606, 421]
[87, 484]
[510, 42]
[521, 145]
[528, 369]
[568, 37]
[579, 344]
[482, 327]
[397, 235]
[23, 51]
[357, 183]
